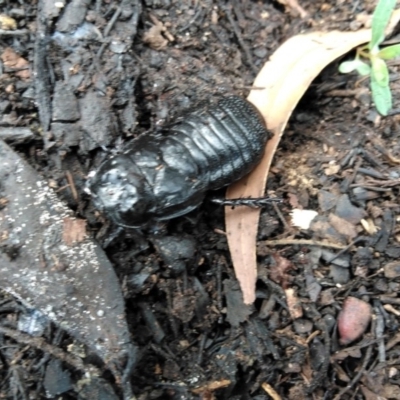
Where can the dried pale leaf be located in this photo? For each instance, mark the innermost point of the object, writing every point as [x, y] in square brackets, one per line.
[283, 79]
[369, 226]
[154, 38]
[332, 170]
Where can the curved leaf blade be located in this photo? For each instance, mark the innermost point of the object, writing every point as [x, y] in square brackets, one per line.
[380, 20]
[380, 72]
[390, 52]
[382, 97]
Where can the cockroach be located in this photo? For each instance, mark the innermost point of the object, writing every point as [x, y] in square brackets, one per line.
[166, 174]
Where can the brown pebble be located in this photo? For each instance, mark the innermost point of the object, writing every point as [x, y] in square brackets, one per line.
[353, 319]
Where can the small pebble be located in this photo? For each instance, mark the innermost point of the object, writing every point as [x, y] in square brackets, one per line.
[353, 319]
[261, 52]
[329, 321]
[302, 325]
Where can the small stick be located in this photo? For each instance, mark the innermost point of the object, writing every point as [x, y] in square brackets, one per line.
[71, 184]
[41, 344]
[303, 242]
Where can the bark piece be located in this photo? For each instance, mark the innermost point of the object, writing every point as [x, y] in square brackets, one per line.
[65, 104]
[72, 282]
[96, 121]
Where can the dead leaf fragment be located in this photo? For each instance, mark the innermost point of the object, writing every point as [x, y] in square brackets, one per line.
[283, 79]
[157, 36]
[7, 23]
[332, 170]
[12, 60]
[294, 305]
[211, 387]
[344, 227]
[279, 270]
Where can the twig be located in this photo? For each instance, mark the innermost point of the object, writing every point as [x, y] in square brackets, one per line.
[41, 344]
[358, 375]
[42, 83]
[303, 242]
[379, 330]
[123, 379]
[359, 239]
[323, 370]
[198, 10]
[282, 218]
[71, 185]
[17, 32]
[112, 21]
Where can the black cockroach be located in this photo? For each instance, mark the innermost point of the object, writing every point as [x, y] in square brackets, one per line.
[166, 174]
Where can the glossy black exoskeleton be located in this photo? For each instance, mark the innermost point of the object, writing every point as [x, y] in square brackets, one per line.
[166, 174]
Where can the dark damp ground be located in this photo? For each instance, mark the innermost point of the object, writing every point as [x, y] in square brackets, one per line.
[78, 81]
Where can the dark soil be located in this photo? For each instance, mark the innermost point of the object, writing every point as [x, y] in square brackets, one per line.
[78, 82]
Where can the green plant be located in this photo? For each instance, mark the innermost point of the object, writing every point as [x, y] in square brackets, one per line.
[376, 65]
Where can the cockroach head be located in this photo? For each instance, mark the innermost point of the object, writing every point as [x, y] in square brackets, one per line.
[119, 190]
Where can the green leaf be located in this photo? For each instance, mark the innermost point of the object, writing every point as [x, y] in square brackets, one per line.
[363, 68]
[348, 66]
[381, 96]
[390, 52]
[354, 65]
[380, 20]
[380, 72]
